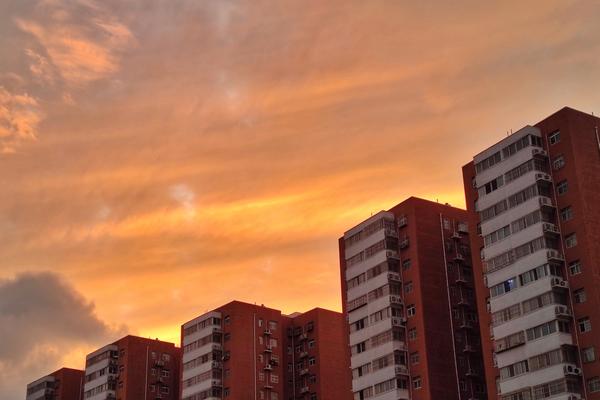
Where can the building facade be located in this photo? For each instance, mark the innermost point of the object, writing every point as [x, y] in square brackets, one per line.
[534, 212]
[408, 296]
[64, 384]
[243, 351]
[133, 368]
[317, 363]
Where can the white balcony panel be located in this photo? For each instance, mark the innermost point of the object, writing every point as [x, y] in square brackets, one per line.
[522, 265]
[364, 265]
[370, 331]
[521, 294]
[199, 369]
[368, 286]
[526, 321]
[523, 236]
[506, 190]
[533, 378]
[371, 354]
[533, 348]
[506, 164]
[364, 243]
[197, 388]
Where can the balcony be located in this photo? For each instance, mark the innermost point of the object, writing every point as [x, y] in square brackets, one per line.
[469, 348]
[398, 321]
[543, 177]
[268, 349]
[268, 367]
[304, 389]
[558, 283]
[554, 255]
[303, 354]
[268, 332]
[401, 370]
[404, 242]
[465, 324]
[550, 228]
[394, 276]
[456, 235]
[395, 299]
[458, 257]
[304, 371]
[562, 312]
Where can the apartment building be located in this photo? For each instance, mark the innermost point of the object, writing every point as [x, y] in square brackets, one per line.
[244, 351]
[407, 289]
[317, 360]
[534, 213]
[64, 384]
[133, 368]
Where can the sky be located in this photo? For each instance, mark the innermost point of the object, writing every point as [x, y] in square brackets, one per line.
[161, 158]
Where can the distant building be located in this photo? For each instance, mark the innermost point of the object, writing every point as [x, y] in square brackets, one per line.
[407, 289]
[133, 368]
[534, 211]
[242, 351]
[64, 384]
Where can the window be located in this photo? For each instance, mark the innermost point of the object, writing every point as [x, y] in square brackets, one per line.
[558, 162]
[575, 267]
[411, 310]
[554, 137]
[406, 264]
[562, 187]
[412, 334]
[504, 287]
[584, 324]
[566, 214]
[579, 296]
[408, 287]
[417, 384]
[571, 240]
[594, 384]
[414, 357]
[588, 354]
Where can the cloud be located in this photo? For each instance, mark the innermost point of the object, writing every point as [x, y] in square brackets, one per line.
[20, 116]
[186, 197]
[43, 320]
[82, 41]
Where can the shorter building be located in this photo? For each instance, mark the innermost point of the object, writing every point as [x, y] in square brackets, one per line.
[243, 351]
[64, 384]
[318, 365]
[133, 368]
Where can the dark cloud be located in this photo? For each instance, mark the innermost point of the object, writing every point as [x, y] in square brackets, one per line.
[43, 320]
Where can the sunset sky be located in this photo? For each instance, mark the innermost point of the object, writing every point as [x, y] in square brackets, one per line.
[161, 158]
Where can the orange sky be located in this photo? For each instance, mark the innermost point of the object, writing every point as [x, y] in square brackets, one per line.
[165, 157]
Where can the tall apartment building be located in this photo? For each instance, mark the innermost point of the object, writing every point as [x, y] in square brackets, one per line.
[133, 368]
[317, 363]
[408, 295]
[534, 212]
[64, 384]
[243, 351]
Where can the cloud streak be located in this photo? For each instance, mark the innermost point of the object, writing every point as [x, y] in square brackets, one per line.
[20, 115]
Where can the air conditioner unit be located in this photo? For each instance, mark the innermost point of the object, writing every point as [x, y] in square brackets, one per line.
[394, 298]
[267, 332]
[545, 177]
[570, 369]
[539, 152]
[545, 201]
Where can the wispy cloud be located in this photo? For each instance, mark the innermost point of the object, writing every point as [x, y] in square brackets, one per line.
[20, 115]
[82, 41]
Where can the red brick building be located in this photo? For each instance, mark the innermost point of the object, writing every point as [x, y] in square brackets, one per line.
[133, 368]
[408, 296]
[64, 384]
[243, 351]
[534, 213]
[317, 363]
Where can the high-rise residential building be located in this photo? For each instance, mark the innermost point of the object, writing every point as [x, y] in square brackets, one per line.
[242, 351]
[317, 360]
[133, 368]
[407, 289]
[534, 214]
[64, 384]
